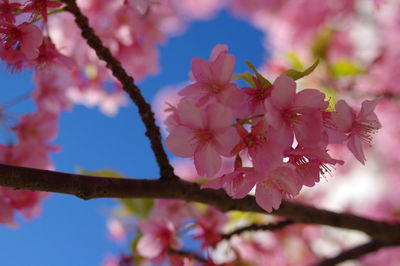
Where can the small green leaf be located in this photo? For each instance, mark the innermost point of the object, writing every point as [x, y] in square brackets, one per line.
[295, 74]
[264, 82]
[100, 173]
[139, 207]
[297, 64]
[246, 76]
[345, 68]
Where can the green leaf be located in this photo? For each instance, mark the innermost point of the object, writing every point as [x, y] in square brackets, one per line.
[297, 64]
[100, 173]
[246, 76]
[295, 74]
[264, 82]
[345, 68]
[138, 207]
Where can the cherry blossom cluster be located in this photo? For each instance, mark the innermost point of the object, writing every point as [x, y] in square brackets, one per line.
[163, 230]
[23, 45]
[282, 133]
[166, 225]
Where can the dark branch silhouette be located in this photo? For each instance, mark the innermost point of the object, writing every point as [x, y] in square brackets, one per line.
[128, 83]
[352, 253]
[90, 187]
[256, 227]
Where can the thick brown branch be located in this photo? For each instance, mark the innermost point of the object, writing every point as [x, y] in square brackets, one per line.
[353, 253]
[255, 227]
[153, 131]
[89, 187]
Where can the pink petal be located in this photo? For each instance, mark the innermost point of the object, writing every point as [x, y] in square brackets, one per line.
[201, 70]
[218, 49]
[222, 68]
[343, 117]
[219, 117]
[195, 90]
[216, 183]
[285, 176]
[367, 115]
[207, 161]
[283, 92]
[273, 116]
[191, 115]
[226, 141]
[239, 186]
[310, 100]
[267, 196]
[355, 146]
[32, 39]
[181, 141]
[308, 129]
[149, 246]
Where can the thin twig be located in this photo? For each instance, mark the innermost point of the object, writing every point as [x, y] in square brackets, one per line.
[128, 83]
[256, 227]
[352, 253]
[90, 187]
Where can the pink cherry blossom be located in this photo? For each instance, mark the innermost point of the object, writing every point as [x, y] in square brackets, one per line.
[237, 184]
[25, 38]
[213, 79]
[204, 133]
[310, 163]
[7, 11]
[358, 128]
[40, 126]
[50, 92]
[158, 237]
[209, 227]
[294, 113]
[39, 7]
[280, 181]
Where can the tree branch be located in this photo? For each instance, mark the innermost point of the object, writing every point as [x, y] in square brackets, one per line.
[128, 83]
[353, 253]
[90, 187]
[255, 227]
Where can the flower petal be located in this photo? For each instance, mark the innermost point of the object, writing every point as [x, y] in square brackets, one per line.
[207, 161]
[181, 141]
[283, 92]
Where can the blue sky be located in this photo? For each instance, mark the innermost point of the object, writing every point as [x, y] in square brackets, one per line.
[71, 231]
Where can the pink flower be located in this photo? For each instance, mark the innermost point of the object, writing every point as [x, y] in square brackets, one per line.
[213, 79]
[294, 113]
[158, 237]
[204, 133]
[280, 181]
[236, 184]
[7, 11]
[264, 147]
[358, 128]
[48, 54]
[310, 163]
[141, 5]
[256, 97]
[209, 226]
[50, 93]
[40, 126]
[24, 38]
[39, 7]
